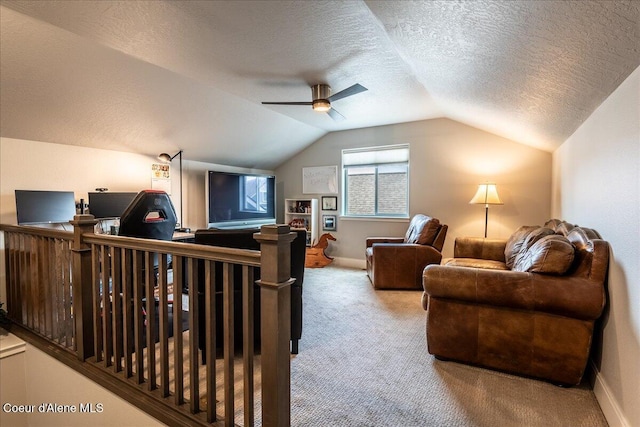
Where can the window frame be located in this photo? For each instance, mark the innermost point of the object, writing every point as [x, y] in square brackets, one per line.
[344, 180]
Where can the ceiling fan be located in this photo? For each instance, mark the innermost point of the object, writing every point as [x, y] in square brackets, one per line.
[322, 99]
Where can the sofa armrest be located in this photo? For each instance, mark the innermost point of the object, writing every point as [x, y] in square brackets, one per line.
[477, 247]
[371, 240]
[381, 246]
[569, 296]
[410, 256]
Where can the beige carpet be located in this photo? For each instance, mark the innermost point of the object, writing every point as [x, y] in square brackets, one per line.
[363, 362]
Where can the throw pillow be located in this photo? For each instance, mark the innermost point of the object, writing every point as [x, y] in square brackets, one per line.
[552, 254]
[532, 237]
[514, 244]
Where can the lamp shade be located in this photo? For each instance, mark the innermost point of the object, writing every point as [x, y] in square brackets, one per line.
[164, 157]
[487, 194]
[167, 158]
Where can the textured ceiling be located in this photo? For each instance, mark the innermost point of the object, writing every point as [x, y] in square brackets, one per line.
[155, 76]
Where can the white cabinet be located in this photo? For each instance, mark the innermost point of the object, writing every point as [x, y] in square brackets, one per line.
[303, 213]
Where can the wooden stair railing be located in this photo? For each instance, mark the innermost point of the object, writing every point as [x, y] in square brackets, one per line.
[94, 303]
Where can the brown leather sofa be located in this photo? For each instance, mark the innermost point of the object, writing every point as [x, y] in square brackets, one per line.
[398, 262]
[526, 305]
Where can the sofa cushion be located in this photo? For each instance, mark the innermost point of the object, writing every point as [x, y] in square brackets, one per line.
[514, 243]
[551, 254]
[422, 230]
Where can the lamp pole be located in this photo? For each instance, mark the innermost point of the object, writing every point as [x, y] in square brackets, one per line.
[486, 219]
[166, 158]
[181, 218]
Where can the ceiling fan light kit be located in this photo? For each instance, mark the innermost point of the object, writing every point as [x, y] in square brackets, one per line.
[322, 98]
[322, 105]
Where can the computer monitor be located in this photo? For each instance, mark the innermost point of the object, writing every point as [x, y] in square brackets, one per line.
[37, 207]
[109, 205]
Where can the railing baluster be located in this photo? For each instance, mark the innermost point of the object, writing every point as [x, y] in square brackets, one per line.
[178, 346]
[13, 275]
[24, 279]
[46, 297]
[150, 319]
[33, 283]
[55, 270]
[68, 301]
[138, 317]
[97, 252]
[227, 298]
[194, 400]
[107, 298]
[163, 323]
[127, 315]
[248, 337]
[210, 333]
[117, 303]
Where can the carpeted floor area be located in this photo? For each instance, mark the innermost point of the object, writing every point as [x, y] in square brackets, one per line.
[363, 362]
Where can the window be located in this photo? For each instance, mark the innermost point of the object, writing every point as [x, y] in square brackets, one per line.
[254, 194]
[376, 181]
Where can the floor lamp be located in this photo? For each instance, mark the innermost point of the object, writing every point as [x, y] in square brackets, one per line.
[165, 158]
[486, 195]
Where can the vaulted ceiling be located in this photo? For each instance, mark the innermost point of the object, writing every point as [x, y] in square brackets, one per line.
[158, 76]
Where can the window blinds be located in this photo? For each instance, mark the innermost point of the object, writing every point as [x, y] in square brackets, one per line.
[376, 155]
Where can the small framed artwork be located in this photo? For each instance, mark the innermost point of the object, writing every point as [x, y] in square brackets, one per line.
[329, 222]
[329, 203]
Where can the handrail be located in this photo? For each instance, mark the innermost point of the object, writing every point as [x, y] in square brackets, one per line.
[213, 253]
[37, 231]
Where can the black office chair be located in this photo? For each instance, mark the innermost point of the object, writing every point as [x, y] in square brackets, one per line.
[150, 215]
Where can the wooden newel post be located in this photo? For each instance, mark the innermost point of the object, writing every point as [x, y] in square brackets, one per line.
[275, 299]
[81, 282]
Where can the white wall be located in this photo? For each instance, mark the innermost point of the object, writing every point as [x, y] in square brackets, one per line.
[596, 183]
[46, 380]
[448, 161]
[32, 165]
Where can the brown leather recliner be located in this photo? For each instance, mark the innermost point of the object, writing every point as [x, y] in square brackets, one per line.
[526, 305]
[397, 262]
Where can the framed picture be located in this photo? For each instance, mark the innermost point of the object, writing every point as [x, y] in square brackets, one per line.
[329, 222]
[329, 203]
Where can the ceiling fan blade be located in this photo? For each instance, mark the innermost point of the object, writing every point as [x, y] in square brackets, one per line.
[335, 115]
[352, 90]
[286, 103]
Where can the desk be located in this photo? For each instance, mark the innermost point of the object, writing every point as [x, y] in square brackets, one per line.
[180, 236]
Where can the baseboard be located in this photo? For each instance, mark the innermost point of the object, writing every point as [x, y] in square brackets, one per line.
[350, 262]
[607, 402]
